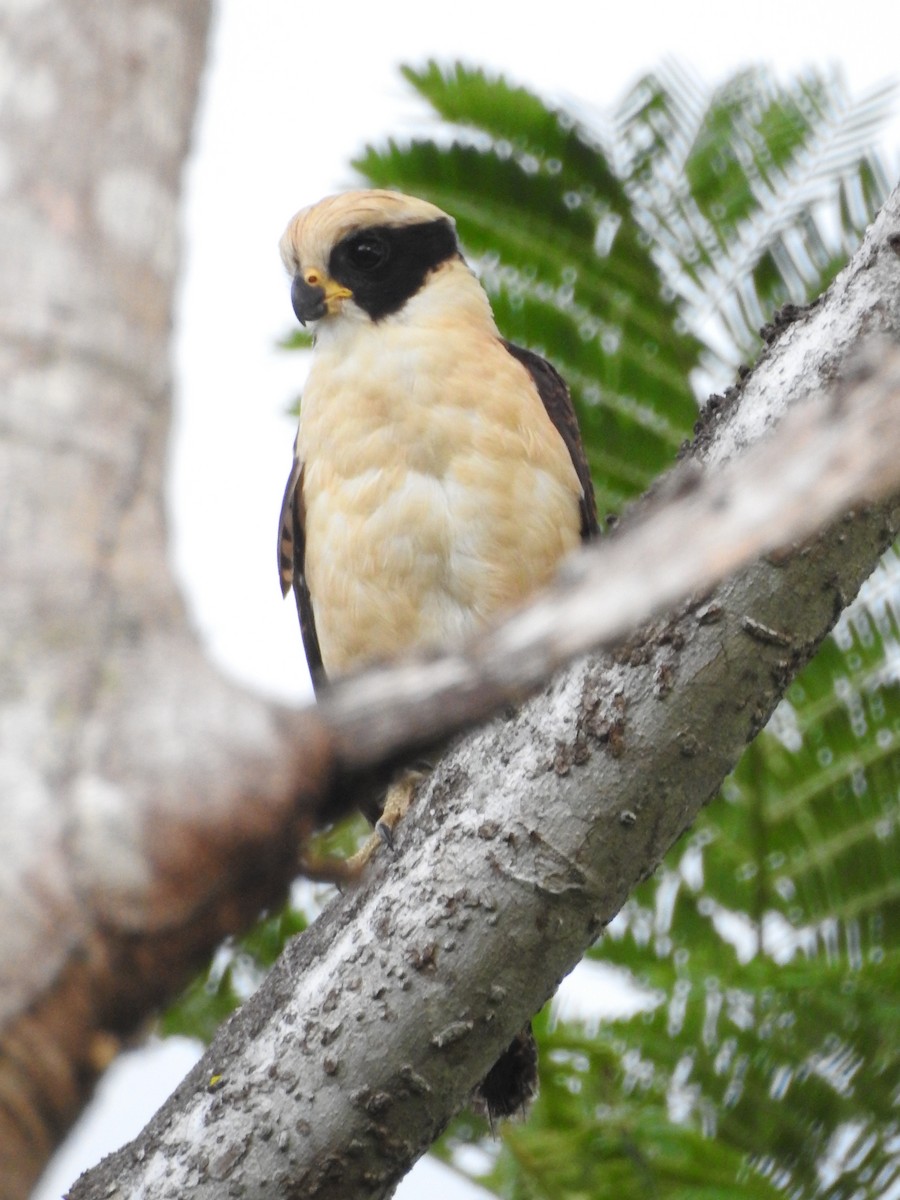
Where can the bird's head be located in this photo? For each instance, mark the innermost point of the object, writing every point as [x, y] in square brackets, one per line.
[365, 252]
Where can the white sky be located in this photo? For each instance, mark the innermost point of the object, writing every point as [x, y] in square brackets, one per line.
[294, 92]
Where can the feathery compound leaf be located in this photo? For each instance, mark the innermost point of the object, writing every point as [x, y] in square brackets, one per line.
[747, 191]
[809, 829]
[516, 118]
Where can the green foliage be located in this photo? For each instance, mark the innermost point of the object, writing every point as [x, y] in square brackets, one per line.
[642, 257]
[754, 195]
[297, 339]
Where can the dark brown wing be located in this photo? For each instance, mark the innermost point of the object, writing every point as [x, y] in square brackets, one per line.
[291, 556]
[556, 399]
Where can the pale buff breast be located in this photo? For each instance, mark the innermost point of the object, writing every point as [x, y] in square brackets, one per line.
[437, 491]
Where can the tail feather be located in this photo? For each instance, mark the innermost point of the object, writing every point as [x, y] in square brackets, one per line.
[512, 1081]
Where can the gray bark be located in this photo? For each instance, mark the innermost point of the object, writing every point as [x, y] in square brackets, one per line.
[375, 1024]
[142, 796]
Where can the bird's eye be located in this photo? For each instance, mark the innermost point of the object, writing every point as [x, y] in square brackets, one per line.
[367, 252]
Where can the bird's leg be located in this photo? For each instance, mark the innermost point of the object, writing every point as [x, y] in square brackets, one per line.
[396, 804]
[344, 871]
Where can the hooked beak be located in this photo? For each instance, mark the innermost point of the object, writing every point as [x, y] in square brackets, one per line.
[314, 295]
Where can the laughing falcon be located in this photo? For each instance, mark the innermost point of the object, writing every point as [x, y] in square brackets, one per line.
[438, 477]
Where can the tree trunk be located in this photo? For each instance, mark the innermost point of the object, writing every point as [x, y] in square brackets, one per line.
[139, 789]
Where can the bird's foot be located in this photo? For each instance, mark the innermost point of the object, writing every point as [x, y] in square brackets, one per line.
[396, 805]
[346, 871]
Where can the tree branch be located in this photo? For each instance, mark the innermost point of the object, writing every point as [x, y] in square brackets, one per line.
[375, 1024]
